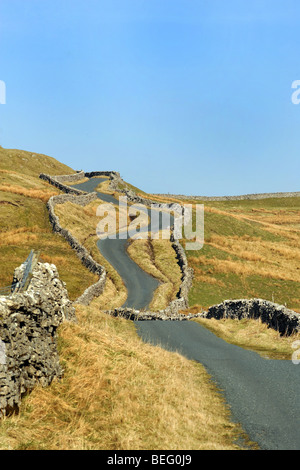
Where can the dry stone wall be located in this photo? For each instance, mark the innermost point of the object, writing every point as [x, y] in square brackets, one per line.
[28, 334]
[114, 176]
[138, 315]
[181, 302]
[276, 316]
[79, 175]
[75, 196]
[234, 198]
[96, 289]
[56, 181]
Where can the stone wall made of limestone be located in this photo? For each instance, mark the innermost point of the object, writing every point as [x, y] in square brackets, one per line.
[138, 315]
[57, 182]
[79, 175]
[181, 302]
[114, 176]
[110, 174]
[28, 334]
[276, 316]
[96, 289]
[234, 198]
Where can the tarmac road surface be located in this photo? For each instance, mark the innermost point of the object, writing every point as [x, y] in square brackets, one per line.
[139, 284]
[263, 394]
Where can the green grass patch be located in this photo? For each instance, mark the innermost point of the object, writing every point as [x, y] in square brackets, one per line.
[251, 249]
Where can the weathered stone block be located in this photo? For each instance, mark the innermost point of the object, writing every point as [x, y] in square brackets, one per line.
[29, 334]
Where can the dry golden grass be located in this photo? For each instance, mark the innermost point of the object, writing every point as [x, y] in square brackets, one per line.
[31, 164]
[71, 183]
[249, 268]
[104, 188]
[20, 236]
[120, 394]
[201, 276]
[54, 259]
[273, 224]
[158, 258]
[80, 220]
[276, 217]
[25, 226]
[13, 178]
[82, 223]
[114, 295]
[278, 222]
[8, 172]
[270, 259]
[251, 249]
[164, 199]
[42, 194]
[254, 335]
[84, 220]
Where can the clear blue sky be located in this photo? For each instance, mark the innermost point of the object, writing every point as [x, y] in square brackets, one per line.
[180, 96]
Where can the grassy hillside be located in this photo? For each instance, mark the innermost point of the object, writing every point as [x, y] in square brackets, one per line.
[251, 249]
[253, 335]
[24, 219]
[32, 164]
[82, 223]
[119, 393]
[156, 257]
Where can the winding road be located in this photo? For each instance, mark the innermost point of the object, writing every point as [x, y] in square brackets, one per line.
[139, 284]
[263, 394]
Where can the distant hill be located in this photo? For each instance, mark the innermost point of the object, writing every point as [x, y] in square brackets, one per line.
[24, 219]
[30, 163]
[251, 247]
[117, 391]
